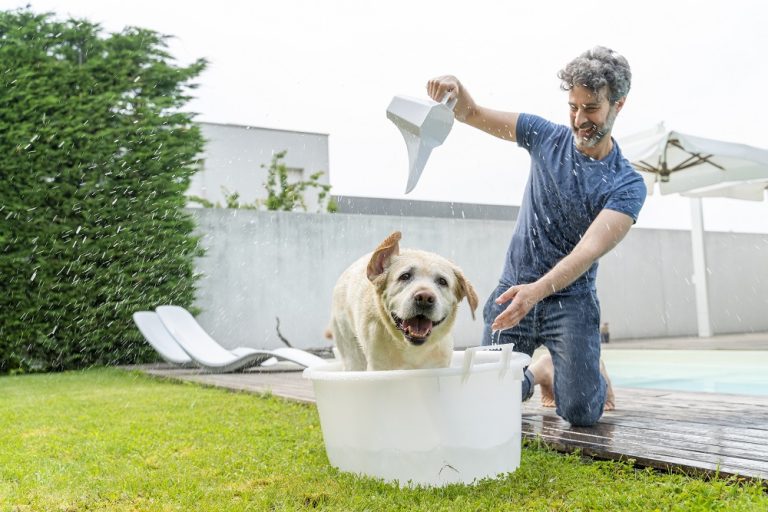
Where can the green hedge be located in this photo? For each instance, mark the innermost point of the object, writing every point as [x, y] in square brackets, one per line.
[95, 156]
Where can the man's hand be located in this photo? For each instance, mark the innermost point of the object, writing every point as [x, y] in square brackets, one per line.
[438, 87]
[523, 297]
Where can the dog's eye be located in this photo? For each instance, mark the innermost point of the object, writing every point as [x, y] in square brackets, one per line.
[405, 276]
[442, 281]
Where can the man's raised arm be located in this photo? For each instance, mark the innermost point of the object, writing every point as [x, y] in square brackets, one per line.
[495, 122]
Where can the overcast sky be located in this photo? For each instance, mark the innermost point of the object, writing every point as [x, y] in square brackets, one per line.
[333, 66]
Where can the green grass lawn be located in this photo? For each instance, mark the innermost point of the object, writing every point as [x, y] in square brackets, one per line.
[106, 439]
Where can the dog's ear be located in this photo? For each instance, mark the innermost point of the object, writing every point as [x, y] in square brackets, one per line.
[380, 258]
[465, 289]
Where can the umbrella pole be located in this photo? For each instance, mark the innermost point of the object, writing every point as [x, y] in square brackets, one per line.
[700, 268]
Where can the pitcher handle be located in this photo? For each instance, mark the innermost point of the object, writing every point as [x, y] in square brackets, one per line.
[469, 356]
[448, 101]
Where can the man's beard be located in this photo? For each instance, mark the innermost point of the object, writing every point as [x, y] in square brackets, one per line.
[599, 131]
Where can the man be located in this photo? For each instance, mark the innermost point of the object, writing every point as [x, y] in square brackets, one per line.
[581, 199]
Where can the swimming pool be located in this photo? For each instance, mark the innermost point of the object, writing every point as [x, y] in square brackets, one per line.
[743, 372]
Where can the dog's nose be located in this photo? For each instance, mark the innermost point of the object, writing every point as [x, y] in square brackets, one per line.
[424, 299]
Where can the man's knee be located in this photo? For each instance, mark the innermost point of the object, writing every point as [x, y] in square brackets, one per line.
[580, 413]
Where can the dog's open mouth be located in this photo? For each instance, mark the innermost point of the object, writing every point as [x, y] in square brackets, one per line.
[415, 329]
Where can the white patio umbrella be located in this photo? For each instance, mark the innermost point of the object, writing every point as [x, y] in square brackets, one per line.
[697, 167]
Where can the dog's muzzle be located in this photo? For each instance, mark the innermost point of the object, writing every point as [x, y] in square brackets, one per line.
[415, 329]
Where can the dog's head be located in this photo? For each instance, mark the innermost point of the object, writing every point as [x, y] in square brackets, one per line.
[420, 290]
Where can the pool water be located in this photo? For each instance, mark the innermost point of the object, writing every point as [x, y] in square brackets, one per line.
[743, 372]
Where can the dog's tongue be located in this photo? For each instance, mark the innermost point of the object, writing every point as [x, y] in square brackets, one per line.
[418, 326]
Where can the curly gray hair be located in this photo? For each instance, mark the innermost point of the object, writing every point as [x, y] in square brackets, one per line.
[597, 68]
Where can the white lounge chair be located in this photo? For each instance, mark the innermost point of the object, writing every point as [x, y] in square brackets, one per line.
[209, 355]
[157, 335]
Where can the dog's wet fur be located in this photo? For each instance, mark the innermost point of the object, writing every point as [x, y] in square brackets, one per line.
[395, 309]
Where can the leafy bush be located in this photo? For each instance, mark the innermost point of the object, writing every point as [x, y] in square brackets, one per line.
[286, 196]
[94, 161]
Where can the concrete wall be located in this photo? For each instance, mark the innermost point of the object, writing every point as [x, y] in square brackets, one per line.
[738, 281]
[234, 156]
[644, 285]
[263, 265]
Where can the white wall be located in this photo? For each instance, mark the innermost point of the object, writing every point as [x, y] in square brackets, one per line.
[262, 265]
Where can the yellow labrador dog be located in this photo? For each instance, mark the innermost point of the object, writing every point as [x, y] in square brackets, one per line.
[395, 309]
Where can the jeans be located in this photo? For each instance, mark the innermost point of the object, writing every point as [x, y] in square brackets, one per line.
[569, 326]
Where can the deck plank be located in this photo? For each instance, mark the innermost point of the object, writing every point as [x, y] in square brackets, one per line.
[699, 433]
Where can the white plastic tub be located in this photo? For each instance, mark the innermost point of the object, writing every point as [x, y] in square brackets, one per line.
[424, 427]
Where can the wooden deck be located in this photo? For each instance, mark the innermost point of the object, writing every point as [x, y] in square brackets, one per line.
[696, 433]
[699, 433]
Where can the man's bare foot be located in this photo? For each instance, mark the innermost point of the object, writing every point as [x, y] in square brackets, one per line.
[610, 398]
[544, 375]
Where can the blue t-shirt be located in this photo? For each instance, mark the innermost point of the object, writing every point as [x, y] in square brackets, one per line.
[566, 190]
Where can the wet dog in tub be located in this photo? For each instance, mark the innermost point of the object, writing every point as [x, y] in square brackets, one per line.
[395, 309]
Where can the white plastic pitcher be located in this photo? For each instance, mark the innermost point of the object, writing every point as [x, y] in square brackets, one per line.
[428, 427]
[424, 124]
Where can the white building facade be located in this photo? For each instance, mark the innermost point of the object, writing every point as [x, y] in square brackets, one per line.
[236, 159]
